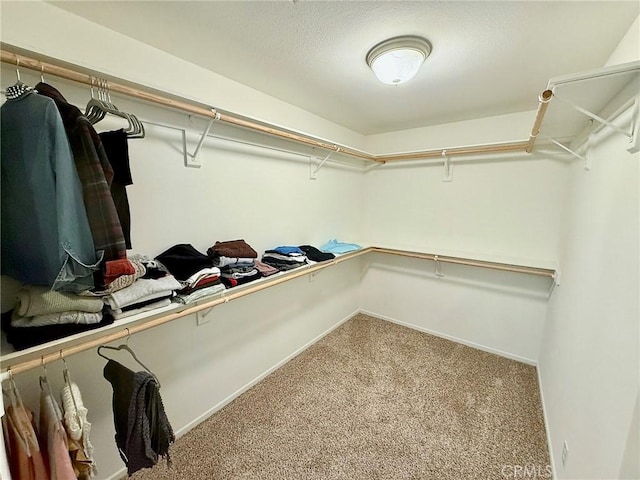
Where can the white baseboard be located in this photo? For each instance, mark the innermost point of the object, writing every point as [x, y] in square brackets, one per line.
[477, 346]
[546, 427]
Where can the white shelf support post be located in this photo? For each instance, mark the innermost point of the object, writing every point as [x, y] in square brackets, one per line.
[634, 142]
[438, 272]
[587, 162]
[314, 172]
[448, 168]
[191, 159]
[555, 281]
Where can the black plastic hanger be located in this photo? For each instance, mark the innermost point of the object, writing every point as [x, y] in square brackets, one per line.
[126, 347]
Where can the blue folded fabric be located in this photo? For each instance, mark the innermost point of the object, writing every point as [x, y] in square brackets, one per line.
[334, 246]
[286, 250]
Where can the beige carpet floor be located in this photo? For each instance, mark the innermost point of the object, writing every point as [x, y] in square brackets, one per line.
[374, 400]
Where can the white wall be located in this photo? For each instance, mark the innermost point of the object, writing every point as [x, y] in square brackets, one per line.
[497, 129]
[499, 312]
[504, 208]
[628, 50]
[589, 361]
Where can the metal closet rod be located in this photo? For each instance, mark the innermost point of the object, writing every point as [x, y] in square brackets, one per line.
[76, 76]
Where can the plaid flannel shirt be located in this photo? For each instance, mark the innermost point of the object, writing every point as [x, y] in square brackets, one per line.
[95, 174]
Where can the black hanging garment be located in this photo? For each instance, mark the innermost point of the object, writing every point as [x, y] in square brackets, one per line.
[117, 148]
[143, 431]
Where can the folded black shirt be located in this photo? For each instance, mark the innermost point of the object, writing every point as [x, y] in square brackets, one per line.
[316, 255]
[184, 260]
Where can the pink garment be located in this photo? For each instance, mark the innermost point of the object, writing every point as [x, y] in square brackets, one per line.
[25, 458]
[53, 437]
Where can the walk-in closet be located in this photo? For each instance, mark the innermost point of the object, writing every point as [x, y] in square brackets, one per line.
[320, 240]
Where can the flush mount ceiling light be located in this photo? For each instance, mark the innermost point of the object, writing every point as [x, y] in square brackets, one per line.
[398, 59]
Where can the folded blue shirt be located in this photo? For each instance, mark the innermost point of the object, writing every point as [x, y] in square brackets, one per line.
[334, 246]
[286, 250]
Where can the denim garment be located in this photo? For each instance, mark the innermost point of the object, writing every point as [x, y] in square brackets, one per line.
[45, 233]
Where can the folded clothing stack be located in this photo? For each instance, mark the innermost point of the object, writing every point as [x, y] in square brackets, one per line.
[236, 260]
[285, 258]
[134, 268]
[41, 315]
[145, 294]
[194, 270]
[315, 255]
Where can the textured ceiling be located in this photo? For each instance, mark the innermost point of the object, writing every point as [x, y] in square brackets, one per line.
[488, 58]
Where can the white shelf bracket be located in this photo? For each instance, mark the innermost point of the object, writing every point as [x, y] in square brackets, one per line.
[374, 166]
[314, 172]
[585, 159]
[634, 142]
[201, 316]
[448, 168]
[191, 159]
[438, 272]
[593, 116]
[555, 281]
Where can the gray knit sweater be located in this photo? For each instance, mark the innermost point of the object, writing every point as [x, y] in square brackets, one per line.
[143, 431]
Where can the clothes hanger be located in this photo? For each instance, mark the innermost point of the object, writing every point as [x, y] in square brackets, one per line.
[94, 110]
[13, 393]
[67, 380]
[44, 380]
[19, 88]
[97, 108]
[125, 346]
[136, 128]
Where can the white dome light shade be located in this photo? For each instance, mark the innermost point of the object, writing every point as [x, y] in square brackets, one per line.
[398, 60]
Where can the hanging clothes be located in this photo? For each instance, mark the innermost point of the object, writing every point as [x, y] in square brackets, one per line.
[78, 429]
[45, 234]
[95, 174]
[25, 458]
[143, 431]
[53, 437]
[116, 147]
